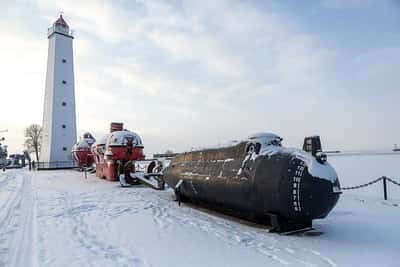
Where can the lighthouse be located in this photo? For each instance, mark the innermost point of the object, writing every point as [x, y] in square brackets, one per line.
[59, 119]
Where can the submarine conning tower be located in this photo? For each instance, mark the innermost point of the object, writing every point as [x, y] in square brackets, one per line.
[258, 179]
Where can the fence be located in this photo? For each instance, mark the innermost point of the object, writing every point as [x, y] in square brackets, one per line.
[384, 180]
[55, 165]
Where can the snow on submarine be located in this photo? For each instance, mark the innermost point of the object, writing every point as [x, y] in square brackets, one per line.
[259, 180]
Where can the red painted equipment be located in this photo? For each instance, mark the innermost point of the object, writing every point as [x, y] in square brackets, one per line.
[98, 150]
[81, 151]
[116, 126]
[116, 149]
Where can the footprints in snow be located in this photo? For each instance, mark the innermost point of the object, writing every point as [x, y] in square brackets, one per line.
[166, 214]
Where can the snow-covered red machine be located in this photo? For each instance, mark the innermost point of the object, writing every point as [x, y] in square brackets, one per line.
[98, 149]
[115, 152]
[81, 151]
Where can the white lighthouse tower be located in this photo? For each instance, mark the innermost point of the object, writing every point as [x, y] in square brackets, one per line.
[59, 119]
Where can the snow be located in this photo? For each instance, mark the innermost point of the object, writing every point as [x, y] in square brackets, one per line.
[59, 218]
[360, 169]
[81, 144]
[271, 144]
[315, 168]
[265, 139]
[119, 138]
[102, 140]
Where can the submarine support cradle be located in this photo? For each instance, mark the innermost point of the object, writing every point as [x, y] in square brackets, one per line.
[284, 226]
[127, 178]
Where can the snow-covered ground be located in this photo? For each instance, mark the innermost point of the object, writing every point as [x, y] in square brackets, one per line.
[59, 218]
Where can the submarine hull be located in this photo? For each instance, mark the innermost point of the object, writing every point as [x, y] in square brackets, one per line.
[262, 188]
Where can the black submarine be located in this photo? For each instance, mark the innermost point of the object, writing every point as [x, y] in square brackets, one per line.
[259, 180]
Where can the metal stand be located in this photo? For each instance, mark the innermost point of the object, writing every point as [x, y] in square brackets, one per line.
[384, 188]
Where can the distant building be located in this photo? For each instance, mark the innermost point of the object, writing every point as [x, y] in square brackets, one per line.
[59, 119]
[165, 155]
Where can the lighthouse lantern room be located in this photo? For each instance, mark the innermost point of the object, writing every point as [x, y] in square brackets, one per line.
[59, 119]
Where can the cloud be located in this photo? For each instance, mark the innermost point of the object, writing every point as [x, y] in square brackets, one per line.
[340, 4]
[187, 73]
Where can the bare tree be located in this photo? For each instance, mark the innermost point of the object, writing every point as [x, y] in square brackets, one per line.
[33, 141]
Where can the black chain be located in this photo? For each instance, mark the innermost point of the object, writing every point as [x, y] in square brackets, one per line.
[393, 181]
[370, 183]
[362, 185]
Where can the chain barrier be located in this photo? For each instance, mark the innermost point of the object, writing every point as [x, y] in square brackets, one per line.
[384, 180]
[393, 181]
[362, 185]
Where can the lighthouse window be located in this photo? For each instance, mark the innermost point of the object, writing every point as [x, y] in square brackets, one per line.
[64, 148]
[64, 126]
[63, 104]
[64, 81]
[64, 60]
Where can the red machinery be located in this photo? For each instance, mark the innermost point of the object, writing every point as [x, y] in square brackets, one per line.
[81, 151]
[98, 149]
[115, 152]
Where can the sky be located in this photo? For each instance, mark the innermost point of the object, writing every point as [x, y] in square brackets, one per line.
[188, 74]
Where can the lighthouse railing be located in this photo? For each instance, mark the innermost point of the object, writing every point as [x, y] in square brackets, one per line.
[59, 29]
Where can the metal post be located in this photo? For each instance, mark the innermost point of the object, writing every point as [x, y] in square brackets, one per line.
[384, 188]
[85, 172]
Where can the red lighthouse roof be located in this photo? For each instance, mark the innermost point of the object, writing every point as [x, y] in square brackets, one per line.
[61, 21]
